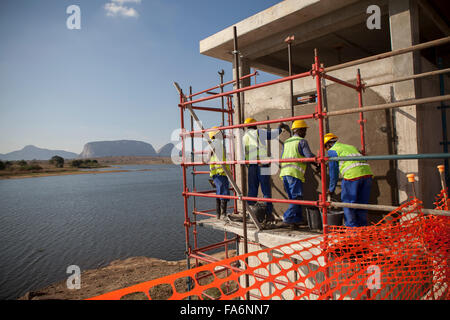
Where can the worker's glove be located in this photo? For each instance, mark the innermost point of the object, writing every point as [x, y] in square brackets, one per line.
[284, 126]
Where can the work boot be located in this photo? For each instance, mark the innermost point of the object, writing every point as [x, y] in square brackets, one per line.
[223, 207]
[218, 208]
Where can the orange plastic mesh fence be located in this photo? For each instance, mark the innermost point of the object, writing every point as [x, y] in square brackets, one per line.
[404, 256]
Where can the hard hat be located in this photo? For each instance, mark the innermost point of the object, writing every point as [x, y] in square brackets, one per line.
[328, 137]
[213, 133]
[298, 124]
[249, 120]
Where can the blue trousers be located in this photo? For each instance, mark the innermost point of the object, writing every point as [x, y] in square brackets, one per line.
[255, 178]
[222, 185]
[294, 190]
[356, 191]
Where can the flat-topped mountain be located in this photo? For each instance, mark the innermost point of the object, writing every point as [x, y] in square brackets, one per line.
[117, 148]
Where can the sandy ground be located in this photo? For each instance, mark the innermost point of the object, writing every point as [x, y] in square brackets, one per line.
[117, 275]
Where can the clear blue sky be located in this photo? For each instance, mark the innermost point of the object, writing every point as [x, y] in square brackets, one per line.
[112, 79]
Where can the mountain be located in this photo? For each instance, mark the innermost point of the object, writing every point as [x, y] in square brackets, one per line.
[34, 153]
[166, 150]
[118, 148]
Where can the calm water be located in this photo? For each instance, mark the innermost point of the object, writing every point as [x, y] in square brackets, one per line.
[49, 223]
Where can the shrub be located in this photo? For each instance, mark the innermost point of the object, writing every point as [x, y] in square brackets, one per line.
[57, 161]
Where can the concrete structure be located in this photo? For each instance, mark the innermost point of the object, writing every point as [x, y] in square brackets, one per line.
[338, 29]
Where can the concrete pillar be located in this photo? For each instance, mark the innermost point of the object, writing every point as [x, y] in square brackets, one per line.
[404, 32]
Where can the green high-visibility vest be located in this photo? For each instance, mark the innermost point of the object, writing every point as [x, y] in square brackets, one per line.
[215, 169]
[290, 151]
[254, 149]
[351, 169]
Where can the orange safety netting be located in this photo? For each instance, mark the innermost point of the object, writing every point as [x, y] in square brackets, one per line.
[404, 256]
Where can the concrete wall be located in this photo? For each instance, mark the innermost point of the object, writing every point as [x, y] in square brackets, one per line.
[429, 133]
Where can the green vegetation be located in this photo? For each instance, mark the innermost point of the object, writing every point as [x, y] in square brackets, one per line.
[85, 164]
[57, 161]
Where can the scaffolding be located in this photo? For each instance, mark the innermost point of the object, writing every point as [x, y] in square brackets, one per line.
[317, 72]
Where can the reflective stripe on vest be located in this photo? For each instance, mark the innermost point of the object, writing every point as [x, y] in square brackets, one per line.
[216, 169]
[255, 150]
[351, 169]
[290, 151]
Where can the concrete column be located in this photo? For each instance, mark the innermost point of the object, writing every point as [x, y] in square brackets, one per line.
[404, 32]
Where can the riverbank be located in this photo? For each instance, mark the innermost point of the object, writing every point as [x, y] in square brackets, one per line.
[117, 275]
[48, 170]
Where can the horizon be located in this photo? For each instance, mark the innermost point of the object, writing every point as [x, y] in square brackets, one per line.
[112, 78]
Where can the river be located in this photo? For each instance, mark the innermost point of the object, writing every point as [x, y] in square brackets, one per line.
[89, 220]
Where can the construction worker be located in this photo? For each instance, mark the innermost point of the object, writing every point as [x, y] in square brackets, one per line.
[256, 150]
[293, 173]
[357, 179]
[217, 173]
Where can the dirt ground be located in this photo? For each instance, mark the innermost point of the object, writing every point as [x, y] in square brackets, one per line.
[117, 275]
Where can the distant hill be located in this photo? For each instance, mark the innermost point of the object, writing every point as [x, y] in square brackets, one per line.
[118, 148]
[34, 153]
[166, 150]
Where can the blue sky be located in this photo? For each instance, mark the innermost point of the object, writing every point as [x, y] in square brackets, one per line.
[112, 79]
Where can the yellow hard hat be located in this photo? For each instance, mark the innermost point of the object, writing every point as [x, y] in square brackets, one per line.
[328, 137]
[213, 133]
[298, 124]
[249, 120]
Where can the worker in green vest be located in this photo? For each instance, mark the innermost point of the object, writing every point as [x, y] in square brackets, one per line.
[293, 173]
[217, 173]
[357, 179]
[256, 150]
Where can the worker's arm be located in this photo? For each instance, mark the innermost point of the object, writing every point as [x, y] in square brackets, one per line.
[304, 150]
[334, 171]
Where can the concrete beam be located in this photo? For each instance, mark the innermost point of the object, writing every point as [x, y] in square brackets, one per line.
[434, 16]
[321, 26]
[282, 16]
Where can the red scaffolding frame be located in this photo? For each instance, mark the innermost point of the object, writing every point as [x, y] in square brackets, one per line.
[317, 72]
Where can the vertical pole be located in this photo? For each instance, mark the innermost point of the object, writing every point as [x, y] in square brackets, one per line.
[444, 122]
[318, 74]
[193, 180]
[232, 147]
[289, 40]
[186, 216]
[361, 116]
[221, 74]
[239, 107]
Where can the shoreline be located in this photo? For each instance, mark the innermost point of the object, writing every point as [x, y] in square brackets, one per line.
[106, 162]
[116, 275]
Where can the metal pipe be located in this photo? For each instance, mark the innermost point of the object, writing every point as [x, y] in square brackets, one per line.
[223, 84]
[420, 46]
[384, 106]
[265, 161]
[394, 157]
[213, 195]
[289, 40]
[208, 109]
[344, 83]
[256, 86]
[361, 115]
[244, 125]
[378, 207]
[239, 111]
[444, 122]
[420, 75]
[185, 201]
